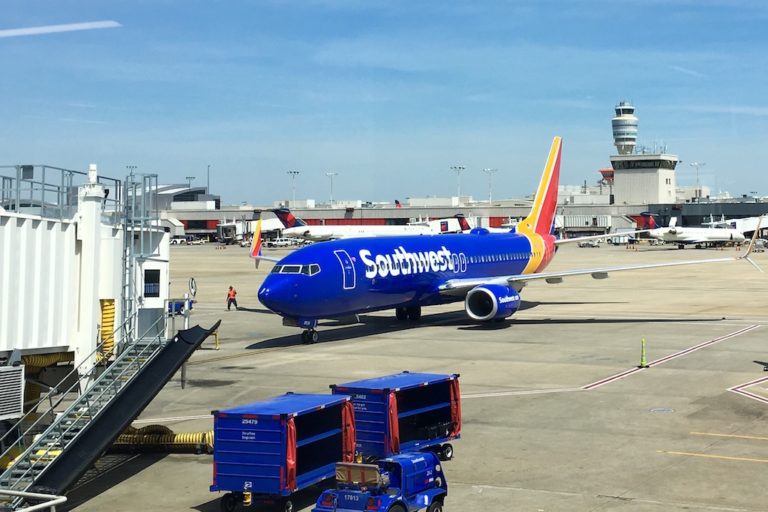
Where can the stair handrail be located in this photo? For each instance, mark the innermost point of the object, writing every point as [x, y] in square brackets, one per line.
[55, 390]
[156, 342]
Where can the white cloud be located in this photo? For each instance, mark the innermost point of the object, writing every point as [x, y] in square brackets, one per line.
[53, 29]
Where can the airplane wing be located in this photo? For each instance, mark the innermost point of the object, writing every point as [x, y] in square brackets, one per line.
[462, 286]
[599, 237]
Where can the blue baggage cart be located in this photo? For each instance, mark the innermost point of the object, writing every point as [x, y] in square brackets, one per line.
[405, 412]
[266, 451]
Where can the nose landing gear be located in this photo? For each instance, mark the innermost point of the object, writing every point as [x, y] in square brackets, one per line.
[309, 336]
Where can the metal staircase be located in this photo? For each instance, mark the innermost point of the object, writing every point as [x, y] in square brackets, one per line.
[42, 445]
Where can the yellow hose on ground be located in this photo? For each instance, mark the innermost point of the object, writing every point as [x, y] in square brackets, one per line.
[160, 437]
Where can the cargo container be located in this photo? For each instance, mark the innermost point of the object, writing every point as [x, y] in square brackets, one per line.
[266, 451]
[405, 412]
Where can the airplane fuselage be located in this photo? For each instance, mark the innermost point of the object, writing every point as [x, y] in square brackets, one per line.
[345, 277]
[322, 233]
[685, 235]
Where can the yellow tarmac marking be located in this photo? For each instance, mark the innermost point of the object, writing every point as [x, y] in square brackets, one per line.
[710, 456]
[733, 436]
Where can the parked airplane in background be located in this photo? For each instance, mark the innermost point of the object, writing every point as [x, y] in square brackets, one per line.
[700, 237]
[296, 228]
[744, 225]
[485, 270]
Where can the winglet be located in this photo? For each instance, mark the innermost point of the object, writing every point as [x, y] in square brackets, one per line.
[256, 243]
[751, 246]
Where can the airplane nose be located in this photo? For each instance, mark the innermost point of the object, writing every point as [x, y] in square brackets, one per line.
[278, 295]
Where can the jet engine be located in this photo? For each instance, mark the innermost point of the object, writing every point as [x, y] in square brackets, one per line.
[491, 302]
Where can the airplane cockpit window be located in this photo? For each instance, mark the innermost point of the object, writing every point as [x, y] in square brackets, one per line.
[308, 270]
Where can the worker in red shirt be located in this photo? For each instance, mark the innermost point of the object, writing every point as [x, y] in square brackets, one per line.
[231, 298]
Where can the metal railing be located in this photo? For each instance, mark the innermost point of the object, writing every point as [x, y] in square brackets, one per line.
[34, 418]
[87, 406]
[51, 500]
[51, 192]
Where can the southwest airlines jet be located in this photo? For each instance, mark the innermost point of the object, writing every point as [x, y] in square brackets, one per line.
[486, 270]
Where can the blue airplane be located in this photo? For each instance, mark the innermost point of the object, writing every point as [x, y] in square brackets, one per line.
[484, 269]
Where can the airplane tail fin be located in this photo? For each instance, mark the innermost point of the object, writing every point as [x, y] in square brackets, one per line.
[256, 243]
[288, 219]
[542, 216]
[463, 222]
[648, 221]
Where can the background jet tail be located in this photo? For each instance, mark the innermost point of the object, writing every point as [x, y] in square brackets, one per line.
[648, 221]
[463, 222]
[542, 216]
[288, 219]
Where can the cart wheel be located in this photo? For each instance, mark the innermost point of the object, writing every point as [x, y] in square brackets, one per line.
[287, 505]
[446, 452]
[228, 502]
[436, 506]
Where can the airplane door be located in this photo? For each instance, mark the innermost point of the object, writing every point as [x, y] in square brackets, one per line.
[347, 268]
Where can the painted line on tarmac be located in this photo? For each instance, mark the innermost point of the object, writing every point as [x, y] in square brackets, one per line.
[631, 371]
[479, 488]
[741, 390]
[730, 436]
[518, 393]
[713, 456]
[174, 418]
[626, 373]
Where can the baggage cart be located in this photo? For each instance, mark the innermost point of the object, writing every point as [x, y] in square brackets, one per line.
[266, 451]
[405, 412]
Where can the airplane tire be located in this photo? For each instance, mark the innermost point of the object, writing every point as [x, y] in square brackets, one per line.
[314, 336]
[414, 313]
[401, 314]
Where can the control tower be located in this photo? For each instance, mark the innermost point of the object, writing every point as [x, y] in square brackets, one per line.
[625, 128]
[640, 177]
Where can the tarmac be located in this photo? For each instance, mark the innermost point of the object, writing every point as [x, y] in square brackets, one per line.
[557, 416]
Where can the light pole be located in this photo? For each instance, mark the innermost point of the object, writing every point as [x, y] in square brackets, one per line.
[293, 175]
[458, 169]
[189, 181]
[331, 175]
[130, 168]
[490, 173]
[208, 180]
[697, 165]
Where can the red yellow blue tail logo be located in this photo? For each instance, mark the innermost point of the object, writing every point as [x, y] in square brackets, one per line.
[537, 227]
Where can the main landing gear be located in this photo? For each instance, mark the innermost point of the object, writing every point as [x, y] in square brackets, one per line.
[412, 313]
[309, 336]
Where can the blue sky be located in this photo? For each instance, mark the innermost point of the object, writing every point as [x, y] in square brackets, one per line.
[389, 94]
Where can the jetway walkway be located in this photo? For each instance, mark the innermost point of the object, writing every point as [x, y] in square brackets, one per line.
[112, 396]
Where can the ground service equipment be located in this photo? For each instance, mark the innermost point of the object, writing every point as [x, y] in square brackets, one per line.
[268, 450]
[405, 482]
[405, 412]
